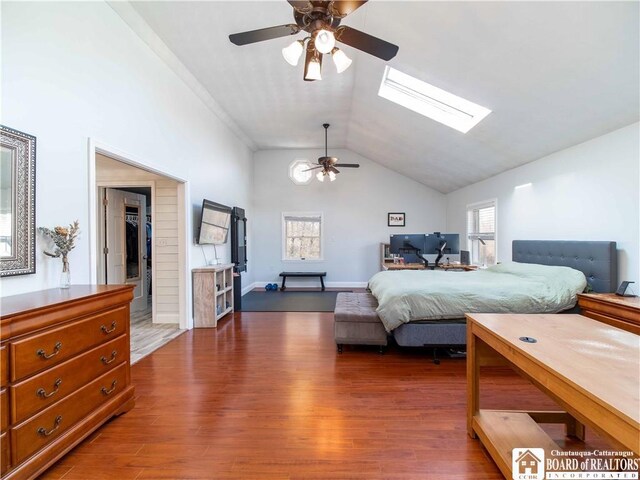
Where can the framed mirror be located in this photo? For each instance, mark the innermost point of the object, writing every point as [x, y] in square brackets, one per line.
[17, 202]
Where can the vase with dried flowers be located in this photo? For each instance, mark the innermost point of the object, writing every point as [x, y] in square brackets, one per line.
[64, 240]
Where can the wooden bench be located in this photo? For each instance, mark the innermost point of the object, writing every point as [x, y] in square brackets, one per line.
[320, 275]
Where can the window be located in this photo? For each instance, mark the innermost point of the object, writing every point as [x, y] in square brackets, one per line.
[302, 236]
[297, 172]
[481, 232]
[430, 101]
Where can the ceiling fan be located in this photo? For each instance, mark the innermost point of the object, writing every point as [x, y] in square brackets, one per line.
[328, 164]
[321, 19]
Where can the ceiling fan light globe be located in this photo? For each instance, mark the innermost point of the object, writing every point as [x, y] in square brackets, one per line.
[340, 60]
[332, 176]
[313, 71]
[325, 41]
[320, 176]
[293, 52]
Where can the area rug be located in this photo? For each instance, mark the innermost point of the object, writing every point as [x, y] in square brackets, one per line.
[289, 301]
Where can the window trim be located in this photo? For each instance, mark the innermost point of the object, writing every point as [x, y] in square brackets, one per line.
[291, 177]
[283, 238]
[477, 205]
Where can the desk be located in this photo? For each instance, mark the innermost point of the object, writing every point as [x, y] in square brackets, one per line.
[589, 368]
[420, 266]
[457, 266]
[402, 266]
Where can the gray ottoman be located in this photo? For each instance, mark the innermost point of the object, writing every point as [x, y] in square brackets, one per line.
[356, 321]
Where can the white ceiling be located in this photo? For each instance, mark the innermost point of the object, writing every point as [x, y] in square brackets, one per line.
[554, 74]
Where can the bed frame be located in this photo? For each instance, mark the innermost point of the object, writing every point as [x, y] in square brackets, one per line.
[597, 260]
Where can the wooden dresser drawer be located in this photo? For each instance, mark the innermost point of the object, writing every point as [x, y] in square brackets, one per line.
[48, 425]
[4, 453]
[621, 312]
[40, 391]
[4, 409]
[44, 350]
[4, 366]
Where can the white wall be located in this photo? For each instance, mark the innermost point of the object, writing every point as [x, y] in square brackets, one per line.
[355, 209]
[74, 71]
[590, 191]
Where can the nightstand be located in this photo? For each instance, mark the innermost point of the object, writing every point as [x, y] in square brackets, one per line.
[621, 312]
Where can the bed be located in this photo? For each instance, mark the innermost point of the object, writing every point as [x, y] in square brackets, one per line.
[596, 260]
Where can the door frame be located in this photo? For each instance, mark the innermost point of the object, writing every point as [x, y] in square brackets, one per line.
[101, 233]
[184, 221]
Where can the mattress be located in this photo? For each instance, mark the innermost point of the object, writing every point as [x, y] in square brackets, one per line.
[411, 295]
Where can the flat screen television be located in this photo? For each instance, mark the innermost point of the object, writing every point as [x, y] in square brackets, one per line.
[215, 220]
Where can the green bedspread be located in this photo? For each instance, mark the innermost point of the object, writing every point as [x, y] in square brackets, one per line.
[408, 295]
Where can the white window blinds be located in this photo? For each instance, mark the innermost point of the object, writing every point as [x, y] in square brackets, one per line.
[481, 232]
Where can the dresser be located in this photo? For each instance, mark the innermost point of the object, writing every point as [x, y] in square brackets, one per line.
[621, 312]
[64, 366]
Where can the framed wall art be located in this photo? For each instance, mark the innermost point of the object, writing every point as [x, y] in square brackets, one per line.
[395, 219]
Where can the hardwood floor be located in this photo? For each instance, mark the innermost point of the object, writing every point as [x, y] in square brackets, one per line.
[147, 336]
[265, 395]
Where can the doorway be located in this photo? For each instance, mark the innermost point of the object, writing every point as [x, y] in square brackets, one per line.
[126, 241]
[140, 225]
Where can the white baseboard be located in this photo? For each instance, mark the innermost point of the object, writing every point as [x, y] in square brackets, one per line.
[293, 284]
[250, 287]
[167, 318]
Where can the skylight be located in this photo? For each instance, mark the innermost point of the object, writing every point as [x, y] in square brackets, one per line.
[430, 101]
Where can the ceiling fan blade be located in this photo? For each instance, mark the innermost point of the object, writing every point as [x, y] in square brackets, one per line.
[347, 165]
[312, 168]
[333, 169]
[262, 34]
[344, 7]
[367, 43]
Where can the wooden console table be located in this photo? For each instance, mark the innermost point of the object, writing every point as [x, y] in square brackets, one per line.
[589, 368]
[65, 371]
[621, 312]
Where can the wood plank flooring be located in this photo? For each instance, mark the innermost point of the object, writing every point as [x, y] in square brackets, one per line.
[266, 396]
[147, 336]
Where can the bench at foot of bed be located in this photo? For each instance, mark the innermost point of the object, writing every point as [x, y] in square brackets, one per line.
[356, 321]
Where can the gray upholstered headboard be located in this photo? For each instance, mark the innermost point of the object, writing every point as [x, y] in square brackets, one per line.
[597, 260]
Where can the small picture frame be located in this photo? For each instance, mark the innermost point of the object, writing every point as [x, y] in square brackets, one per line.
[395, 219]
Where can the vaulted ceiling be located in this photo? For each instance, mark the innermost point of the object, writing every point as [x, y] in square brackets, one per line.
[554, 74]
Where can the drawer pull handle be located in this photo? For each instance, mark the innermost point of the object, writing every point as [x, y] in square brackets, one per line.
[113, 357]
[56, 424]
[56, 350]
[41, 392]
[110, 391]
[106, 330]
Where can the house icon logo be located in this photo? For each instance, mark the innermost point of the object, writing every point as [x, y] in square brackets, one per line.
[527, 463]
